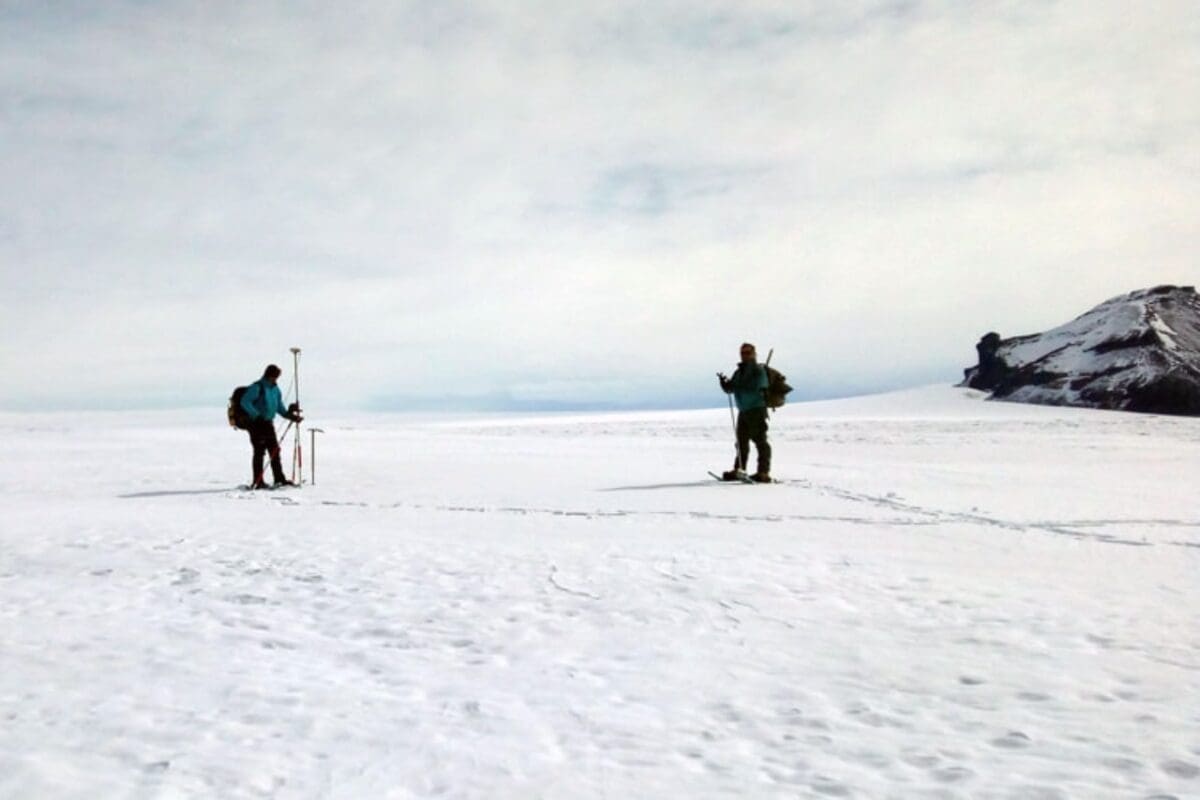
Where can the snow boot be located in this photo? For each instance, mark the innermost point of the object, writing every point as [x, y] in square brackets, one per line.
[761, 477]
[732, 475]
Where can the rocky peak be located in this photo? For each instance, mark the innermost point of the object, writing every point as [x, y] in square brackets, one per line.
[1136, 352]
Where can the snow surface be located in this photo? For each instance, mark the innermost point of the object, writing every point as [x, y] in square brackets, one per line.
[945, 598]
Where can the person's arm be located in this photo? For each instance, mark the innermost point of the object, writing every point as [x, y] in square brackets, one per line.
[274, 401]
[743, 379]
[292, 412]
[248, 398]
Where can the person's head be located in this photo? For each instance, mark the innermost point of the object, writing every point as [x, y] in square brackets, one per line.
[272, 373]
[748, 353]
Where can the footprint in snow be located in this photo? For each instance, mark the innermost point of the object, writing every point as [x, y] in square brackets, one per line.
[1181, 769]
[921, 760]
[1013, 740]
[247, 599]
[1038, 793]
[830, 788]
[1126, 765]
[277, 644]
[185, 576]
[953, 774]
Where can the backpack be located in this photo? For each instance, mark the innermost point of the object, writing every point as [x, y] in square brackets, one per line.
[777, 387]
[238, 418]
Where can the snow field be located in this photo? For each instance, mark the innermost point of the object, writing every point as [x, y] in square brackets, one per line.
[945, 598]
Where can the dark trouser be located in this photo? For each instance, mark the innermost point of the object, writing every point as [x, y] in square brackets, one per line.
[752, 427]
[262, 439]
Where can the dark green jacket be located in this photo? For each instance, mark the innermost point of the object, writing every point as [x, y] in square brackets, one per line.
[746, 385]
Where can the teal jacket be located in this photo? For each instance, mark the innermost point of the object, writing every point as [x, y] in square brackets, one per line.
[746, 385]
[262, 400]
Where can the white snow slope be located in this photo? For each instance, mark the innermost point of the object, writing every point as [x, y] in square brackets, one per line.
[945, 598]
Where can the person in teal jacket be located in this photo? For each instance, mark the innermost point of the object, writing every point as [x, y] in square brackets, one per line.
[262, 402]
[748, 386]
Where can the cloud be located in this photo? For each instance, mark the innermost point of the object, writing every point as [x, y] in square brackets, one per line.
[599, 201]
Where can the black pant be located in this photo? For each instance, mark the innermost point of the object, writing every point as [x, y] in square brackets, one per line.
[263, 440]
[752, 427]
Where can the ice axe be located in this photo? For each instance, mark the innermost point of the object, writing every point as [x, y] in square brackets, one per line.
[312, 454]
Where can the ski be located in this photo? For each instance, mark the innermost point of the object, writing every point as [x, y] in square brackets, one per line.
[743, 478]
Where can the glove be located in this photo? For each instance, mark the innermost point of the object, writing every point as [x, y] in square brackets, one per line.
[724, 381]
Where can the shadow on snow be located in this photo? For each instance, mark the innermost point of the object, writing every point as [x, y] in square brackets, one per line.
[174, 493]
[650, 486]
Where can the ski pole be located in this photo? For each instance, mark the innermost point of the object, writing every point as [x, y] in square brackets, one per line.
[312, 453]
[737, 451]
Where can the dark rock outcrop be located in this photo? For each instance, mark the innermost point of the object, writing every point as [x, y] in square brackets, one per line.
[1136, 352]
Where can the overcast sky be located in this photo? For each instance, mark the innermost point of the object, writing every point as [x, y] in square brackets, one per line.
[512, 204]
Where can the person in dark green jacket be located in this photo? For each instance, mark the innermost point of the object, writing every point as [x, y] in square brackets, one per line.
[748, 386]
[261, 402]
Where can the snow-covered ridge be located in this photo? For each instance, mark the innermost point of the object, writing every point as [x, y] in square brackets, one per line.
[1136, 352]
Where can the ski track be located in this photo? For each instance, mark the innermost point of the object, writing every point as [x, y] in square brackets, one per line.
[918, 516]
[837, 635]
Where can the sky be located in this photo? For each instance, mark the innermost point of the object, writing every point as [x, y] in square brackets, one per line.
[503, 205]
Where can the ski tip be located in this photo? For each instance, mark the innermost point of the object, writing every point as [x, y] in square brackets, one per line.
[738, 479]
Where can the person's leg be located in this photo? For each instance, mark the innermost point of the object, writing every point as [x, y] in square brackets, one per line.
[761, 443]
[258, 442]
[756, 432]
